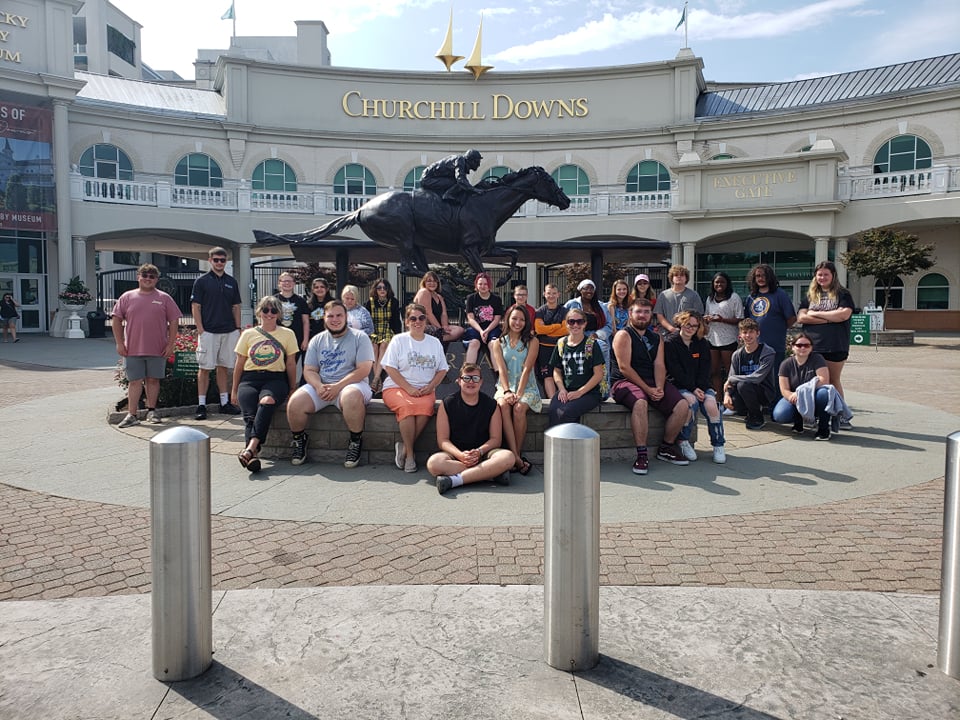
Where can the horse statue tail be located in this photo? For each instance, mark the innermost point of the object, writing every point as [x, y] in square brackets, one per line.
[341, 223]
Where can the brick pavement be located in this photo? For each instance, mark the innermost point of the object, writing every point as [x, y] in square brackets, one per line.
[53, 547]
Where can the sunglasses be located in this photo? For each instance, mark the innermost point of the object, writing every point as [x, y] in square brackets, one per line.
[149, 275]
[576, 321]
[269, 311]
[218, 259]
[470, 378]
[417, 318]
[802, 345]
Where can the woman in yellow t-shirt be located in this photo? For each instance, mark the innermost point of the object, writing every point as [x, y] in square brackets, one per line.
[265, 370]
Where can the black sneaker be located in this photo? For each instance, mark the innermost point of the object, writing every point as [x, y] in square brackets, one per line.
[798, 427]
[671, 454]
[229, 409]
[756, 423]
[822, 434]
[353, 453]
[299, 445]
[201, 413]
[444, 483]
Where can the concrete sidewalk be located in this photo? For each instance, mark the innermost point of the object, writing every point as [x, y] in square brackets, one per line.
[863, 512]
[477, 652]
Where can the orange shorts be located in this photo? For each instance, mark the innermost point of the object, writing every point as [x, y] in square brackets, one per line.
[405, 405]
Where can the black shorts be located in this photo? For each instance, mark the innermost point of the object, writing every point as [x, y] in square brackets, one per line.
[729, 348]
[839, 356]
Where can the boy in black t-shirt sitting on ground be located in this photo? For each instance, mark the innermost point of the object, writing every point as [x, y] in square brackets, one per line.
[469, 435]
[752, 382]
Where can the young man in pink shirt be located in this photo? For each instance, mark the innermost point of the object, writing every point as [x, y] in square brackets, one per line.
[145, 323]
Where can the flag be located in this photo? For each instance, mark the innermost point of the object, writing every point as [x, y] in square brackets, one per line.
[683, 16]
[230, 15]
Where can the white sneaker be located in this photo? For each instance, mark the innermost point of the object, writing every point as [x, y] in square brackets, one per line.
[399, 456]
[129, 421]
[153, 418]
[719, 456]
[687, 449]
[727, 411]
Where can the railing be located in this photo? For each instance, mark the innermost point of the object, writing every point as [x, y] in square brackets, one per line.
[341, 204]
[914, 182]
[291, 202]
[182, 196]
[119, 191]
[855, 184]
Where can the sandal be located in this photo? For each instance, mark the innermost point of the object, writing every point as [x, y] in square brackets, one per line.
[254, 465]
[245, 457]
[525, 466]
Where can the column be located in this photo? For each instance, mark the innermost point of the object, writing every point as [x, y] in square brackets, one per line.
[840, 247]
[821, 248]
[241, 268]
[676, 254]
[61, 164]
[690, 260]
[79, 251]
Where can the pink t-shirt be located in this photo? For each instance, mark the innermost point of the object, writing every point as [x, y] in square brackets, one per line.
[148, 317]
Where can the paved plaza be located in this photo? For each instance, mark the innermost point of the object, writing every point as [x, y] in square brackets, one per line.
[800, 579]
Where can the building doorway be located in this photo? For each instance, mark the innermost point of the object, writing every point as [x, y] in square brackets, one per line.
[28, 290]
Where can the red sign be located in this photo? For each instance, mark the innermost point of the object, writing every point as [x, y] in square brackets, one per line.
[28, 192]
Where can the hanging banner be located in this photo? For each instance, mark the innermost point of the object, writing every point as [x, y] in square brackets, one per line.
[27, 188]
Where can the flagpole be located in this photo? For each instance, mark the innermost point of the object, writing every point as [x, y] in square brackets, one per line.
[686, 26]
[234, 6]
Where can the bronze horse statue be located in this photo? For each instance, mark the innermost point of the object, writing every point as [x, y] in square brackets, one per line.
[422, 221]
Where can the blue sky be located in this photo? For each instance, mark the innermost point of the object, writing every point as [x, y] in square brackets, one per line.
[739, 40]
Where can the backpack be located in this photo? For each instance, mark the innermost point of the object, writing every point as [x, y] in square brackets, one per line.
[588, 350]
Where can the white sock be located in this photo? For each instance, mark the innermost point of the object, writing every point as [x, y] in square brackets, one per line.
[457, 480]
[202, 400]
[224, 398]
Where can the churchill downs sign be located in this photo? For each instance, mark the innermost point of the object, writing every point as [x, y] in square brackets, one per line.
[501, 107]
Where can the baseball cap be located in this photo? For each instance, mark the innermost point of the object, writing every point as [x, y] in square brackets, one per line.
[640, 277]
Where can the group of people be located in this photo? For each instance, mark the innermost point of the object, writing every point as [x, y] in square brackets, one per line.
[674, 351]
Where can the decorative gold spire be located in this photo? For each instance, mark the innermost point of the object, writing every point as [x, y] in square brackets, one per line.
[474, 64]
[445, 53]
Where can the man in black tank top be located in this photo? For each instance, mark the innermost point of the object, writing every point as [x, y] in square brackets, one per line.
[639, 379]
[469, 435]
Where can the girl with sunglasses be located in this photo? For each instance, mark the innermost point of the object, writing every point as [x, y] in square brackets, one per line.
[416, 365]
[264, 373]
[385, 312]
[577, 372]
[805, 376]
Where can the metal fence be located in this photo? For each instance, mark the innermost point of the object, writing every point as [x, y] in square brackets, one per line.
[111, 284]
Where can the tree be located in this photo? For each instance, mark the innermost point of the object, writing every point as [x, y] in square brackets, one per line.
[886, 254]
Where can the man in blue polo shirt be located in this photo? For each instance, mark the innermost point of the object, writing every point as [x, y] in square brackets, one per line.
[215, 303]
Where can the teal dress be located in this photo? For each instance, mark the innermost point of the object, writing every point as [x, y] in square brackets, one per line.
[515, 357]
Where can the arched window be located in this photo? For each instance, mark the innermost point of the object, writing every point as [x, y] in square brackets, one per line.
[722, 156]
[354, 179]
[904, 152]
[648, 176]
[105, 161]
[572, 180]
[198, 170]
[497, 171]
[274, 175]
[933, 292]
[412, 181]
[896, 295]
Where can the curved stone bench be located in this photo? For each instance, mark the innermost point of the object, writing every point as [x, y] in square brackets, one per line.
[328, 435]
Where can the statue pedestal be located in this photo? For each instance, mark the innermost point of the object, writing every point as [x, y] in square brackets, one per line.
[74, 330]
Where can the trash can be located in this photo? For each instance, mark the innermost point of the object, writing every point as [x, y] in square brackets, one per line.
[96, 321]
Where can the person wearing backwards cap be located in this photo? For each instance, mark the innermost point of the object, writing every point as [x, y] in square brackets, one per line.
[598, 320]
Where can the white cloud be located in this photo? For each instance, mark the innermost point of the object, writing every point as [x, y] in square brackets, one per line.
[612, 31]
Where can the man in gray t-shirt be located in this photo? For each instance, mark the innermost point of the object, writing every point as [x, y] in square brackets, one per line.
[677, 298]
[336, 372]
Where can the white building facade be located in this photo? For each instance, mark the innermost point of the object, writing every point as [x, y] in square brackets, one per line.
[659, 165]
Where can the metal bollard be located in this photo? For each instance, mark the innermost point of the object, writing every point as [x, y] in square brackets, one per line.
[948, 643]
[180, 531]
[571, 528]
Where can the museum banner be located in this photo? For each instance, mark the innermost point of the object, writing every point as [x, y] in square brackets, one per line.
[27, 188]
